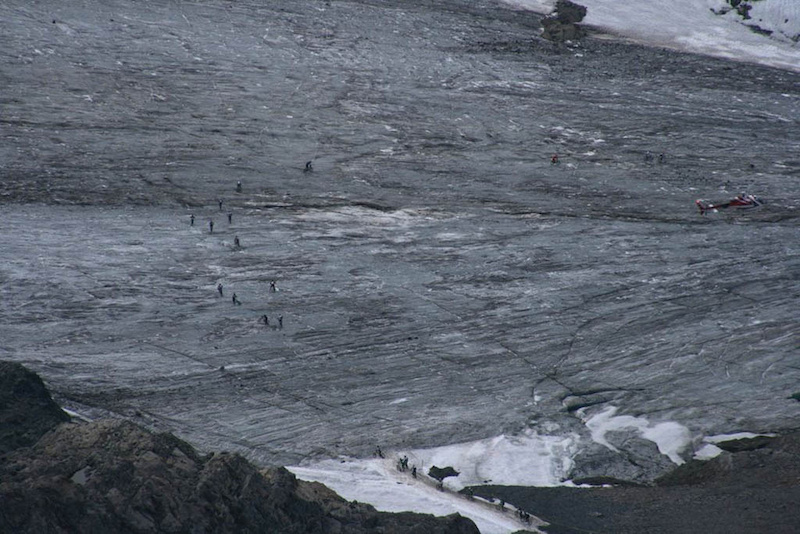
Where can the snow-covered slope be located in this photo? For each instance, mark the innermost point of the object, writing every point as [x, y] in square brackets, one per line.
[701, 26]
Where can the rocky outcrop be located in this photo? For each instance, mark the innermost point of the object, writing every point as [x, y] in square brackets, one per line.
[562, 25]
[26, 409]
[769, 462]
[440, 473]
[755, 489]
[114, 476]
[636, 460]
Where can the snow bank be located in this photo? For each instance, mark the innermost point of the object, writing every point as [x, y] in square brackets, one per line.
[671, 438]
[378, 483]
[695, 26]
[782, 17]
[528, 459]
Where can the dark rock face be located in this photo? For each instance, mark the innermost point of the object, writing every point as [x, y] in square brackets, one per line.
[569, 12]
[562, 24]
[113, 476]
[753, 490]
[745, 444]
[26, 409]
[440, 473]
[756, 462]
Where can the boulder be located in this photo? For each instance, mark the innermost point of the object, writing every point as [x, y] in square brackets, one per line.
[745, 444]
[440, 473]
[562, 25]
[567, 12]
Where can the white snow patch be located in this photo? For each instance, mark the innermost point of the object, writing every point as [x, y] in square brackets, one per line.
[707, 452]
[378, 483]
[719, 438]
[780, 16]
[671, 438]
[76, 415]
[538, 6]
[694, 26]
[361, 216]
[527, 459]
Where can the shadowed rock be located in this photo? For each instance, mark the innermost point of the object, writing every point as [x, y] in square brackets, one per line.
[569, 12]
[562, 24]
[745, 444]
[26, 409]
[440, 473]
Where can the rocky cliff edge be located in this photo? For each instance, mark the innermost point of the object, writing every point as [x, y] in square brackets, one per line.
[114, 476]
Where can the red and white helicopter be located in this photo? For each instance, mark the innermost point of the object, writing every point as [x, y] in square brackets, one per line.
[741, 201]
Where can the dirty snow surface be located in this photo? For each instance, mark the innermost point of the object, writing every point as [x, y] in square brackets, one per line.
[438, 280]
